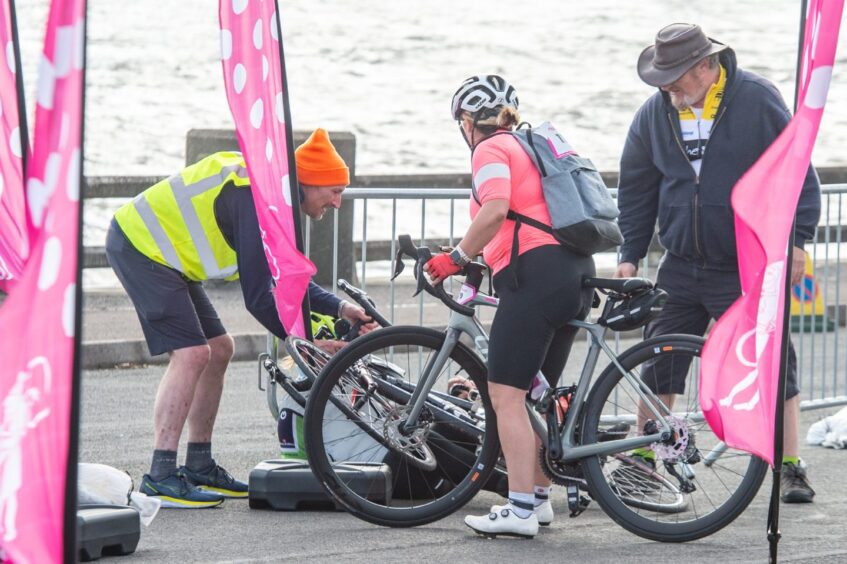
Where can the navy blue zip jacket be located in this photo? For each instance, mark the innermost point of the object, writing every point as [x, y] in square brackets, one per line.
[235, 213]
[695, 216]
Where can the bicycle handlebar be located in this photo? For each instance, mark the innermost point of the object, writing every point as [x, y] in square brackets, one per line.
[421, 256]
[360, 297]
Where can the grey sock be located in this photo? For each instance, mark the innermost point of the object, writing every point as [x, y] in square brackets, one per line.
[163, 465]
[199, 456]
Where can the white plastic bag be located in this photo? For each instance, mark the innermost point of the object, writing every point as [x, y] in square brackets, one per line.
[105, 485]
[830, 432]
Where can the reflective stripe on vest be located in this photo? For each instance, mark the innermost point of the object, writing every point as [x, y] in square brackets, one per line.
[173, 222]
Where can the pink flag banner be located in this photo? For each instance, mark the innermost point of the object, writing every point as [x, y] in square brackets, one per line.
[38, 318]
[14, 241]
[741, 360]
[254, 80]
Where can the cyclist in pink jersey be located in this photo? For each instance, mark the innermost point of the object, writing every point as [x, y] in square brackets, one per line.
[538, 295]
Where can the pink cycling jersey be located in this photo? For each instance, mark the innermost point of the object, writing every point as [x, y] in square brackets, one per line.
[503, 171]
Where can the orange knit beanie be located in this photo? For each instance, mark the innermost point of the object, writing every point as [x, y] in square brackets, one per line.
[319, 164]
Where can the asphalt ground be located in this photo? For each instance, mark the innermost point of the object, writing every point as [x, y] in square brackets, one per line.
[116, 429]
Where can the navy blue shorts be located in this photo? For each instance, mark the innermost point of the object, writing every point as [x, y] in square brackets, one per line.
[696, 296]
[530, 332]
[174, 312]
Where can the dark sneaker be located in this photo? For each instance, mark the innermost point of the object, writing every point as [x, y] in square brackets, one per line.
[216, 479]
[176, 491]
[795, 485]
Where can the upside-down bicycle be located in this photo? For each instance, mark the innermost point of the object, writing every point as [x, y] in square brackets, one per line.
[390, 387]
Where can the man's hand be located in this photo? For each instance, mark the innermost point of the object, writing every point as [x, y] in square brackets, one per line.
[440, 267]
[330, 346]
[354, 313]
[798, 265]
[626, 270]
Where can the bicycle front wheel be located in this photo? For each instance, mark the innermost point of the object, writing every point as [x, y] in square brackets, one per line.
[691, 485]
[360, 446]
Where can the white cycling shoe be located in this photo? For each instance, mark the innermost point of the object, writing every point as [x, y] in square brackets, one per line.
[544, 513]
[503, 521]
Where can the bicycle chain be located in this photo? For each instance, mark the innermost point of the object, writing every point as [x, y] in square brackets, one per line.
[560, 473]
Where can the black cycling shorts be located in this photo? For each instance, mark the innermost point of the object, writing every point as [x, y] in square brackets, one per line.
[174, 312]
[529, 330]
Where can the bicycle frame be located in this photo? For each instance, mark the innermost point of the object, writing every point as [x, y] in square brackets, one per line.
[470, 325]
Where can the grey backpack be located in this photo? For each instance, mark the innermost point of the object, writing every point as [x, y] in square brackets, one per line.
[581, 209]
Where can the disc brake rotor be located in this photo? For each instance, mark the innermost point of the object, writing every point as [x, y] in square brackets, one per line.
[681, 445]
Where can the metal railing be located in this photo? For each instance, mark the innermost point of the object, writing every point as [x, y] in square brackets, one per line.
[439, 216]
[818, 336]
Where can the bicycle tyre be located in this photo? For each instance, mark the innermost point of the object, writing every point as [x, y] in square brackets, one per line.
[735, 476]
[467, 454]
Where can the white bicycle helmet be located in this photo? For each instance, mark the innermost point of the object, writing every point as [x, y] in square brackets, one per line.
[484, 91]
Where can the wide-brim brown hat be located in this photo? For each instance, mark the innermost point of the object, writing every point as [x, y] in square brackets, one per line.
[678, 47]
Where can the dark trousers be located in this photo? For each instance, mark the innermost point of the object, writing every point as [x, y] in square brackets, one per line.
[696, 296]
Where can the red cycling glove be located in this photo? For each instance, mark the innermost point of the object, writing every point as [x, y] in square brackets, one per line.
[440, 266]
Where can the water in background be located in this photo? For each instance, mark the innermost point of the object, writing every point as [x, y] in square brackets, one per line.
[386, 70]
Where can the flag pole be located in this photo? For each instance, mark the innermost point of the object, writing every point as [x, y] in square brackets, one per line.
[292, 167]
[774, 534]
[71, 552]
[19, 87]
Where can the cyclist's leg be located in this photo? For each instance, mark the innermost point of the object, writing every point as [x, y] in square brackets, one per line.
[525, 326]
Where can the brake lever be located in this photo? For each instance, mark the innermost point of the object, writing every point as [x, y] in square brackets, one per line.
[424, 255]
[399, 265]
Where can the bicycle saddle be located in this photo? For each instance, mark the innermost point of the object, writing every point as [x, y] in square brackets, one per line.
[619, 285]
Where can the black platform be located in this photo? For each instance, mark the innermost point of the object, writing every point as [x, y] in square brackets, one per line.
[106, 530]
[289, 485]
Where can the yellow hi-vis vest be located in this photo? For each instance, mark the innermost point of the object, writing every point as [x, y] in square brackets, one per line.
[173, 222]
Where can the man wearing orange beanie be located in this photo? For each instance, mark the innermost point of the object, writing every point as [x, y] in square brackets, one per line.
[197, 225]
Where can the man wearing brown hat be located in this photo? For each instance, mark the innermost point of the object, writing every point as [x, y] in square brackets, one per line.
[197, 225]
[686, 148]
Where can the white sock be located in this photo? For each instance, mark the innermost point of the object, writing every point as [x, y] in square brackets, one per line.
[521, 504]
[542, 494]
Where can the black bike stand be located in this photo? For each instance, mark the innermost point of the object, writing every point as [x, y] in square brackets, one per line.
[289, 485]
[106, 530]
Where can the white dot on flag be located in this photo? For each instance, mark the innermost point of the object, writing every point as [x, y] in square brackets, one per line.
[226, 44]
[68, 310]
[73, 177]
[818, 88]
[51, 171]
[15, 142]
[51, 260]
[46, 84]
[280, 109]
[257, 112]
[274, 28]
[257, 34]
[10, 56]
[79, 44]
[286, 190]
[239, 78]
[36, 196]
[264, 68]
[239, 6]
[63, 50]
[269, 150]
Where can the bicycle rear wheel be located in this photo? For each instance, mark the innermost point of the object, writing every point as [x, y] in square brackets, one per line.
[698, 485]
[353, 419]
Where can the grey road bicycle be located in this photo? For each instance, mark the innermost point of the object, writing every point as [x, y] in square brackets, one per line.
[438, 446]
